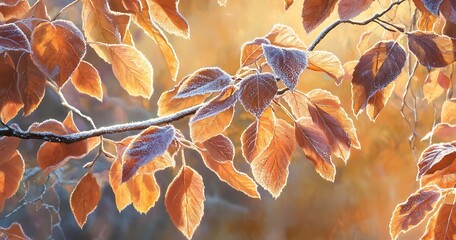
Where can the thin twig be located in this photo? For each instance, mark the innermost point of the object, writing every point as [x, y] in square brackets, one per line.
[64, 8]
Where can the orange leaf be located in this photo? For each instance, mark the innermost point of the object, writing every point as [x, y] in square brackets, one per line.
[435, 85]
[351, 8]
[31, 83]
[144, 20]
[297, 102]
[227, 172]
[442, 225]
[13, 232]
[288, 3]
[448, 111]
[257, 137]
[166, 14]
[84, 198]
[413, 211]
[126, 6]
[431, 50]
[377, 68]
[87, 80]
[284, 36]
[328, 63]
[377, 102]
[184, 201]
[270, 169]
[10, 98]
[220, 148]
[315, 12]
[58, 48]
[13, 9]
[11, 173]
[252, 51]
[437, 165]
[149, 144]
[257, 91]
[8, 146]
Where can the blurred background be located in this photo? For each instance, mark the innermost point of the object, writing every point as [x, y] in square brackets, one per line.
[357, 206]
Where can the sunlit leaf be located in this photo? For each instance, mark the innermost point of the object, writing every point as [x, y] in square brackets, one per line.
[435, 85]
[167, 15]
[351, 8]
[252, 51]
[13, 9]
[58, 48]
[298, 103]
[203, 81]
[87, 80]
[284, 36]
[11, 171]
[322, 61]
[184, 201]
[220, 148]
[413, 211]
[257, 91]
[363, 44]
[442, 225]
[13, 39]
[431, 50]
[84, 198]
[14, 232]
[126, 6]
[377, 102]
[315, 12]
[10, 98]
[437, 165]
[288, 3]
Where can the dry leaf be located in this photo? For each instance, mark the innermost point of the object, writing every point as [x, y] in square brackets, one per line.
[84, 198]
[87, 80]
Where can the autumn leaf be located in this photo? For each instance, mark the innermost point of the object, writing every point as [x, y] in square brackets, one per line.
[258, 135]
[13, 39]
[184, 201]
[100, 24]
[448, 111]
[363, 44]
[211, 151]
[126, 6]
[287, 64]
[252, 51]
[58, 48]
[257, 91]
[323, 61]
[8, 146]
[149, 144]
[435, 85]
[204, 81]
[213, 117]
[166, 14]
[448, 9]
[288, 3]
[377, 68]
[431, 50]
[351, 8]
[132, 69]
[270, 168]
[436, 165]
[12, 169]
[413, 211]
[31, 83]
[377, 102]
[87, 80]
[10, 98]
[315, 12]
[84, 198]
[427, 19]
[13, 232]
[284, 36]
[10, 10]
[315, 145]
[442, 224]
[298, 103]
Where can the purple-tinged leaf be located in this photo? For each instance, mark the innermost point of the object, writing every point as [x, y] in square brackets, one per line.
[257, 91]
[203, 81]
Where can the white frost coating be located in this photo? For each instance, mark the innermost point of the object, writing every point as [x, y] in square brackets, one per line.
[203, 81]
[257, 91]
[13, 39]
[287, 64]
[215, 106]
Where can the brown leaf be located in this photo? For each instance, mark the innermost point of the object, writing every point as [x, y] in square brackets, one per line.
[132, 69]
[377, 102]
[126, 6]
[432, 6]
[448, 9]
[315, 12]
[287, 64]
[298, 103]
[87, 80]
[435, 85]
[257, 91]
[84, 198]
[315, 145]
[166, 14]
[431, 50]
[38, 10]
[31, 83]
[322, 61]
[10, 98]
[58, 48]
[13, 39]
[442, 225]
[144, 20]
[436, 165]
[149, 144]
[220, 148]
[284, 36]
[204, 81]
[257, 137]
[228, 173]
[288, 3]
[377, 68]
[413, 211]
[13, 232]
[100, 24]
[184, 201]
[448, 111]
[252, 51]
[8, 146]
[13, 9]
[351, 8]
[12, 170]
[168, 104]
[270, 169]
[213, 117]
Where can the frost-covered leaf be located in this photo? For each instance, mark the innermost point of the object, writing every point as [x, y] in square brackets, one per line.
[437, 165]
[270, 168]
[442, 224]
[166, 14]
[257, 91]
[413, 211]
[84, 198]
[220, 148]
[252, 51]
[184, 201]
[431, 50]
[322, 61]
[14, 232]
[284, 36]
[257, 137]
[377, 68]
[58, 48]
[203, 81]
[31, 83]
[13, 39]
[149, 144]
[12, 169]
[287, 64]
[435, 85]
[351, 8]
[10, 98]
[315, 12]
[87, 80]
